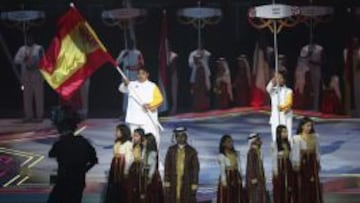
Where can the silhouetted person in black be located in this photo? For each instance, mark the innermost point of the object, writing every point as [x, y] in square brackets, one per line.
[75, 156]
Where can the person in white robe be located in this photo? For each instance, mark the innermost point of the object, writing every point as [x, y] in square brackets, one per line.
[281, 104]
[144, 98]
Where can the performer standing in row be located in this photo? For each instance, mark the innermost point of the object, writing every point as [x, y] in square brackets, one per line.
[137, 181]
[130, 59]
[281, 104]
[331, 102]
[255, 177]
[143, 115]
[283, 174]
[170, 88]
[302, 85]
[117, 191]
[243, 82]
[352, 71]
[230, 188]
[306, 163]
[153, 186]
[314, 60]
[173, 86]
[223, 89]
[27, 57]
[200, 79]
[181, 170]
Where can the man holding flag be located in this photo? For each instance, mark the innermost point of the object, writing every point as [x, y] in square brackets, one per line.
[143, 101]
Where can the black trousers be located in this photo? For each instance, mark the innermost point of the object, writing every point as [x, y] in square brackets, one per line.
[66, 192]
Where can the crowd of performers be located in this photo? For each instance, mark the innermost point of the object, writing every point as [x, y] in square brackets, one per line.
[215, 84]
[135, 167]
[134, 175]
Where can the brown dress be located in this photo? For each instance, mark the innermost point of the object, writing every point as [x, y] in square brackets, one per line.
[222, 96]
[153, 186]
[230, 188]
[303, 100]
[181, 174]
[284, 177]
[306, 161]
[117, 190]
[242, 85]
[255, 178]
[137, 182]
[200, 93]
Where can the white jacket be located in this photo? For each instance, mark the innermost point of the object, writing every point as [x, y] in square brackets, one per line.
[146, 92]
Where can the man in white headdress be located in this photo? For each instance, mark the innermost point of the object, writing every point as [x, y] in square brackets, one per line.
[200, 79]
[223, 86]
[255, 177]
[203, 55]
[314, 57]
[353, 74]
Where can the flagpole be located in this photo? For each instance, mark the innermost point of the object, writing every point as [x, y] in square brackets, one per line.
[276, 53]
[199, 29]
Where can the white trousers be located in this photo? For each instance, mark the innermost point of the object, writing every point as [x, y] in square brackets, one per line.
[148, 128]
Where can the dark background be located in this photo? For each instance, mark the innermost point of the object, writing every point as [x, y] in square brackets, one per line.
[230, 38]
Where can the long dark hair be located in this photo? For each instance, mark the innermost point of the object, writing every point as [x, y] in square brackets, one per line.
[222, 140]
[279, 140]
[302, 123]
[150, 143]
[125, 133]
[141, 132]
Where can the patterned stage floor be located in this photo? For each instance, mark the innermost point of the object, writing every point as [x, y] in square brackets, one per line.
[25, 168]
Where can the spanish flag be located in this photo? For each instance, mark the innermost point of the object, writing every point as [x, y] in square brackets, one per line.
[74, 54]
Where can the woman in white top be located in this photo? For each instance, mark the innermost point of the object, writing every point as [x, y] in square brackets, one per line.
[123, 158]
[230, 188]
[306, 162]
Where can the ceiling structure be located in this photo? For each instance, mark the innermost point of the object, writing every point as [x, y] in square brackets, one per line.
[157, 3]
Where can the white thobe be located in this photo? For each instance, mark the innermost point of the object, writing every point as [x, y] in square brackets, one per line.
[136, 117]
[280, 96]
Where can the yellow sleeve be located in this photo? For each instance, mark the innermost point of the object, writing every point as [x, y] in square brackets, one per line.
[157, 99]
[288, 102]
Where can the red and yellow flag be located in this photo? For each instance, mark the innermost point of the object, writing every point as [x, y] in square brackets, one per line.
[74, 54]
